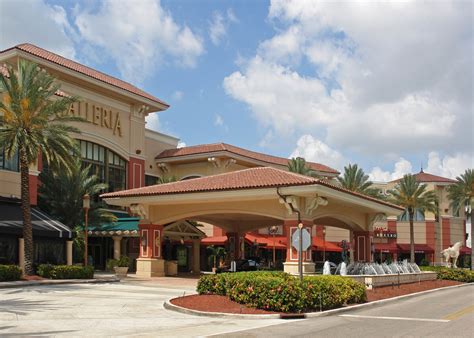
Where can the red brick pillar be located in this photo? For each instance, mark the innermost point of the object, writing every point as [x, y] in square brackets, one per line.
[235, 245]
[150, 263]
[392, 226]
[136, 173]
[291, 263]
[446, 232]
[362, 246]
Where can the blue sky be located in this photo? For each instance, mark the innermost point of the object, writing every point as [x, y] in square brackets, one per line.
[388, 86]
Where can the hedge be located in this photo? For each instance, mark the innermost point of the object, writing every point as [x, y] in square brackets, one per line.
[9, 273]
[65, 271]
[442, 272]
[281, 292]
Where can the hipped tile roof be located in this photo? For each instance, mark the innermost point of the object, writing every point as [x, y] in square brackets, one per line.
[253, 178]
[75, 66]
[428, 178]
[218, 147]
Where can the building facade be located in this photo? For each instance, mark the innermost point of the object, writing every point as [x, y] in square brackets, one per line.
[169, 233]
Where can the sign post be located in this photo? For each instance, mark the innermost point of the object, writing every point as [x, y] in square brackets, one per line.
[301, 242]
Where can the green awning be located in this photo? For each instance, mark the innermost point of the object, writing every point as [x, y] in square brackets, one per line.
[125, 226]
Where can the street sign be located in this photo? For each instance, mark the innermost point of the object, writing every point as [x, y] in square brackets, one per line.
[306, 239]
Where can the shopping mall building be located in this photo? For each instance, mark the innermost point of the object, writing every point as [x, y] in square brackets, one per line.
[227, 196]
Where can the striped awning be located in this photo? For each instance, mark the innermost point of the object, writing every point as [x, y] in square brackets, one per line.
[11, 222]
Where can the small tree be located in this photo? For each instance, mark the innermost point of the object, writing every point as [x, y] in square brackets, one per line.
[413, 196]
[461, 195]
[298, 165]
[356, 180]
[215, 252]
[32, 122]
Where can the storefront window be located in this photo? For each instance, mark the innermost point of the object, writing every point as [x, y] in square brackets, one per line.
[11, 164]
[107, 165]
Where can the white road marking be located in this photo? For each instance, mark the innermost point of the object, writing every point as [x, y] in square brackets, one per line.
[399, 318]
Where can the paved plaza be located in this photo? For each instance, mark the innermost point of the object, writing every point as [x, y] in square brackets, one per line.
[135, 308]
[128, 308]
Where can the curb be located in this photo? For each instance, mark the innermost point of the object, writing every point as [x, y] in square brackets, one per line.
[20, 284]
[167, 305]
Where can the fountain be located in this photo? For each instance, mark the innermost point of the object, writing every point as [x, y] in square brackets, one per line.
[327, 268]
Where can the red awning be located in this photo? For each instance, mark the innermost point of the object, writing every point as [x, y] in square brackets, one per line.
[320, 245]
[386, 247]
[419, 248]
[267, 241]
[214, 240]
[465, 250]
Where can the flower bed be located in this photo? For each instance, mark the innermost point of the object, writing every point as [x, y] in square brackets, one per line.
[445, 273]
[9, 273]
[281, 292]
[65, 271]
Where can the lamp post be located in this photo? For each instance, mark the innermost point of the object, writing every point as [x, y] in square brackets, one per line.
[300, 251]
[86, 204]
[324, 244]
[273, 229]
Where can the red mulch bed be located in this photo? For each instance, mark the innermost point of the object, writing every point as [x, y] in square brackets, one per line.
[214, 303]
[405, 289]
[33, 277]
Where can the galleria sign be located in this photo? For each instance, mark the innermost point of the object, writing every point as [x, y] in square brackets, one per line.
[98, 115]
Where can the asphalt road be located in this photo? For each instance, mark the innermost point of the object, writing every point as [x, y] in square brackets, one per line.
[446, 313]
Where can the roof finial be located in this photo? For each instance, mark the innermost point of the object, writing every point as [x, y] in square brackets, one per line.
[421, 171]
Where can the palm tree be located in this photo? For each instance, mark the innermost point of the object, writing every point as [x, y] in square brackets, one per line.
[461, 195]
[413, 196]
[166, 179]
[215, 252]
[298, 165]
[61, 193]
[32, 123]
[355, 179]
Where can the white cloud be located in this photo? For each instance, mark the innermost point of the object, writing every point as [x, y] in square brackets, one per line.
[178, 95]
[36, 22]
[138, 36]
[446, 166]
[314, 150]
[219, 25]
[181, 144]
[219, 122]
[388, 79]
[153, 122]
[449, 166]
[401, 167]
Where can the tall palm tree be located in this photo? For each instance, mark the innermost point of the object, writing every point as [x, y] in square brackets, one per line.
[413, 196]
[355, 179]
[61, 193]
[298, 165]
[461, 195]
[33, 123]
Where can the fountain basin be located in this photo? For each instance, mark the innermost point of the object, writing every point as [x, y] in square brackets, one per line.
[371, 281]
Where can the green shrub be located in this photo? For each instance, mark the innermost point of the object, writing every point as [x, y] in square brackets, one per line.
[9, 273]
[442, 272]
[281, 292]
[65, 271]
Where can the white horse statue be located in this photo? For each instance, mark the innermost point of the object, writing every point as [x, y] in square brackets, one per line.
[452, 253]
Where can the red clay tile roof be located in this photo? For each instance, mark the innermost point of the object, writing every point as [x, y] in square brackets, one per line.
[425, 177]
[218, 147]
[62, 61]
[253, 178]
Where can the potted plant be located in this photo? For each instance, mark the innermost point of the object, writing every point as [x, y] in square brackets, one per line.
[120, 266]
[215, 253]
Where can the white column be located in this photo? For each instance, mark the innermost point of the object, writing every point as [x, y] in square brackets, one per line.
[196, 255]
[117, 240]
[21, 254]
[69, 252]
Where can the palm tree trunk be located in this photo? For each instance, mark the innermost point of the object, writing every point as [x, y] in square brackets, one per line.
[26, 210]
[472, 242]
[412, 237]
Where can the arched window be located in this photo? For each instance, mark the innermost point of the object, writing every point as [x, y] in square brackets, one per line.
[106, 164]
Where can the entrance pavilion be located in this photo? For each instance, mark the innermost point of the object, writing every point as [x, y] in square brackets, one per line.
[249, 199]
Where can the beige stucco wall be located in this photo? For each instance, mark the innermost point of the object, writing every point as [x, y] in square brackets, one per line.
[458, 230]
[155, 143]
[202, 168]
[403, 232]
[336, 234]
[10, 184]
